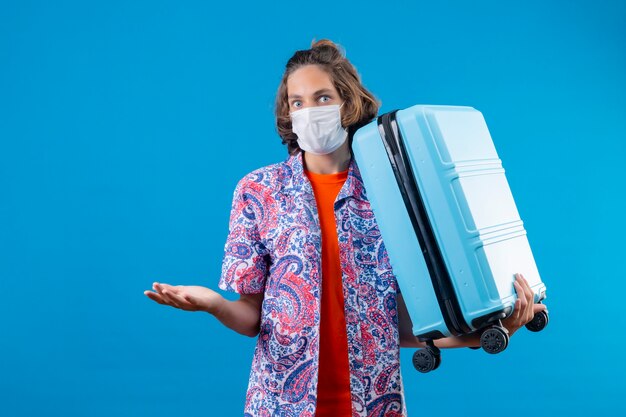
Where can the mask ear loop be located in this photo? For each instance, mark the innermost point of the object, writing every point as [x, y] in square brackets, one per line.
[340, 121]
[339, 110]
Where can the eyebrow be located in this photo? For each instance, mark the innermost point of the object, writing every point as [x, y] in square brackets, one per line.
[318, 92]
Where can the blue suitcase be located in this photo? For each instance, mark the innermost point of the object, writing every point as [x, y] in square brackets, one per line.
[449, 223]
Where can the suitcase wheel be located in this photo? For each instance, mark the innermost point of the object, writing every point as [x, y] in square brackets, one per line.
[494, 340]
[427, 359]
[437, 361]
[539, 322]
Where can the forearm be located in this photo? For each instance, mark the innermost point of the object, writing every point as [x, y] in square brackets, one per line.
[241, 316]
[467, 340]
[405, 326]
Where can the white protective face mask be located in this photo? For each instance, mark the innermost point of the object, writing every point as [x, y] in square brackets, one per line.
[319, 128]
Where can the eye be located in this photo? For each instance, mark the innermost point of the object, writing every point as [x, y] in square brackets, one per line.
[296, 104]
[325, 99]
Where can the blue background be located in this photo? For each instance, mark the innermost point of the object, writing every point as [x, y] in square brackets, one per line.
[124, 127]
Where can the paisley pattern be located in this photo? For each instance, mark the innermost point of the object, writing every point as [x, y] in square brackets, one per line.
[274, 247]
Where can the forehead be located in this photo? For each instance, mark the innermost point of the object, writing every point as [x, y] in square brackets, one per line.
[307, 80]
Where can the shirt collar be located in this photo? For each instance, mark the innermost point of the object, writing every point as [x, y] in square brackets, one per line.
[352, 187]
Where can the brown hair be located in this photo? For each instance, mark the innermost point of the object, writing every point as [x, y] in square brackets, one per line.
[360, 105]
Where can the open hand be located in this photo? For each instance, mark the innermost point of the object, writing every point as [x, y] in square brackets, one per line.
[525, 307]
[185, 297]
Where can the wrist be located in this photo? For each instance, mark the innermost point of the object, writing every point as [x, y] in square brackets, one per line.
[411, 341]
[510, 329]
[472, 339]
[216, 307]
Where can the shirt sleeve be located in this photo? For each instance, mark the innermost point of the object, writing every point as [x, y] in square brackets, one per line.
[245, 261]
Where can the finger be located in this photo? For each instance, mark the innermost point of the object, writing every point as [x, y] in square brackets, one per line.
[527, 294]
[180, 298]
[155, 297]
[528, 316]
[539, 307]
[181, 301]
[161, 287]
[521, 292]
[516, 310]
[522, 298]
[158, 287]
[170, 298]
[171, 288]
[528, 289]
[520, 302]
[531, 300]
[525, 280]
[524, 284]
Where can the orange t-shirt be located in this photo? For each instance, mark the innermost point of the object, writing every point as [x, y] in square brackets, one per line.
[333, 389]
